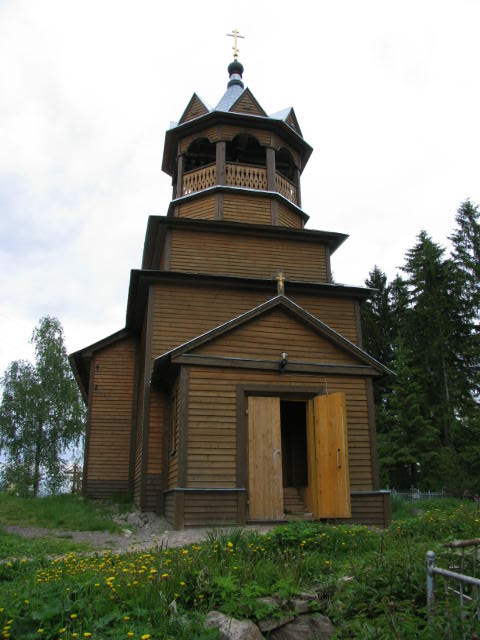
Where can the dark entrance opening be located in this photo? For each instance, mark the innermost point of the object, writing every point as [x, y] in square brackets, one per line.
[293, 417]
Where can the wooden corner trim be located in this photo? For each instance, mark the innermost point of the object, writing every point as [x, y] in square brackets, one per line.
[183, 426]
[373, 435]
[133, 424]
[86, 453]
[146, 392]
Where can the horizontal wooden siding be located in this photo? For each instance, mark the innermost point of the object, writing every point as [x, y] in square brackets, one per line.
[213, 422]
[111, 417]
[250, 256]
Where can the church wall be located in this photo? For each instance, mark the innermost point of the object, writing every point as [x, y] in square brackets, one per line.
[288, 218]
[244, 208]
[272, 333]
[154, 465]
[173, 429]
[110, 419]
[248, 256]
[202, 207]
[138, 443]
[212, 428]
[339, 313]
[183, 312]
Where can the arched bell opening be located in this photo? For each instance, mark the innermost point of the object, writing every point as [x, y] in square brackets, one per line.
[198, 166]
[245, 163]
[245, 149]
[284, 164]
[200, 153]
[286, 177]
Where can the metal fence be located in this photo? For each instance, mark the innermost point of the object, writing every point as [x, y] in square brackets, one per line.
[416, 494]
[457, 582]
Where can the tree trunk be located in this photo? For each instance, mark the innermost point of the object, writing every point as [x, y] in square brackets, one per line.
[446, 420]
[36, 472]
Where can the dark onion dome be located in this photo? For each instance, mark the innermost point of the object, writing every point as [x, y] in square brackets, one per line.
[235, 71]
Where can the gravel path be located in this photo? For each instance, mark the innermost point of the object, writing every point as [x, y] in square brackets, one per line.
[154, 532]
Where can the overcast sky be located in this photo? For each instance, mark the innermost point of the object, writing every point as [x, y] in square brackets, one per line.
[387, 93]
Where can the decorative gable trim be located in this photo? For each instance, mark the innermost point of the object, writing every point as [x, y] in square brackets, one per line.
[195, 108]
[247, 103]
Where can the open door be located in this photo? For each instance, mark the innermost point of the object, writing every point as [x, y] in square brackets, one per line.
[328, 492]
[265, 486]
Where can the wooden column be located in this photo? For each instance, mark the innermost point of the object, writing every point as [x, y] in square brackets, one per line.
[221, 148]
[271, 185]
[220, 160]
[179, 189]
[297, 184]
[271, 169]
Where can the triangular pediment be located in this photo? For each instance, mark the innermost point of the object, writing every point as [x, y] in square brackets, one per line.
[292, 122]
[195, 108]
[288, 116]
[275, 331]
[247, 103]
[262, 334]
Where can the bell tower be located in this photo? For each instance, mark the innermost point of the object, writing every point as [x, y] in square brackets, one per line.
[236, 163]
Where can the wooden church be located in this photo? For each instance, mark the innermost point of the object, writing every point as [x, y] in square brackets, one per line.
[238, 390]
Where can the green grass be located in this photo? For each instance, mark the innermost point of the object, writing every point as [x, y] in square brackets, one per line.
[110, 596]
[65, 511]
[14, 546]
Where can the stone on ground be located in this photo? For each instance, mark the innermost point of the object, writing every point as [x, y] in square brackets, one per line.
[308, 627]
[232, 629]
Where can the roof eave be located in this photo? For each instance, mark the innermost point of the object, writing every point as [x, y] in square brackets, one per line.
[255, 121]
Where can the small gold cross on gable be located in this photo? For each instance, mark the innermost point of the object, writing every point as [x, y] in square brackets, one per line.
[235, 34]
[280, 283]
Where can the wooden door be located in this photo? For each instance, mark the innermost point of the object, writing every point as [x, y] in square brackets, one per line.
[328, 492]
[265, 486]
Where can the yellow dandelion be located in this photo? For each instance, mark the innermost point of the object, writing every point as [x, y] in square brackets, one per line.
[164, 576]
[87, 634]
[26, 601]
[146, 636]
[182, 583]
[129, 634]
[39, 630]
[229, 545]
[126, 618]
[73, 616]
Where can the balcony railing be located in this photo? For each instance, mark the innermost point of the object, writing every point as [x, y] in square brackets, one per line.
[236, 175]
[286, 188]
[199, 179]
[243, 175]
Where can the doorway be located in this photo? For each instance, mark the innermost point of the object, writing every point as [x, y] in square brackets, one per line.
[293, 418]
[297, 457]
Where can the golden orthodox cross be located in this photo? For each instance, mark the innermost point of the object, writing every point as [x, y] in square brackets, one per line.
[235, 34]
[280, 283]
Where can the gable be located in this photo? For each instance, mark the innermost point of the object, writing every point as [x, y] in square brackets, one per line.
[267, 336]
[195, 108]
[292, 122]
[247, 103]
